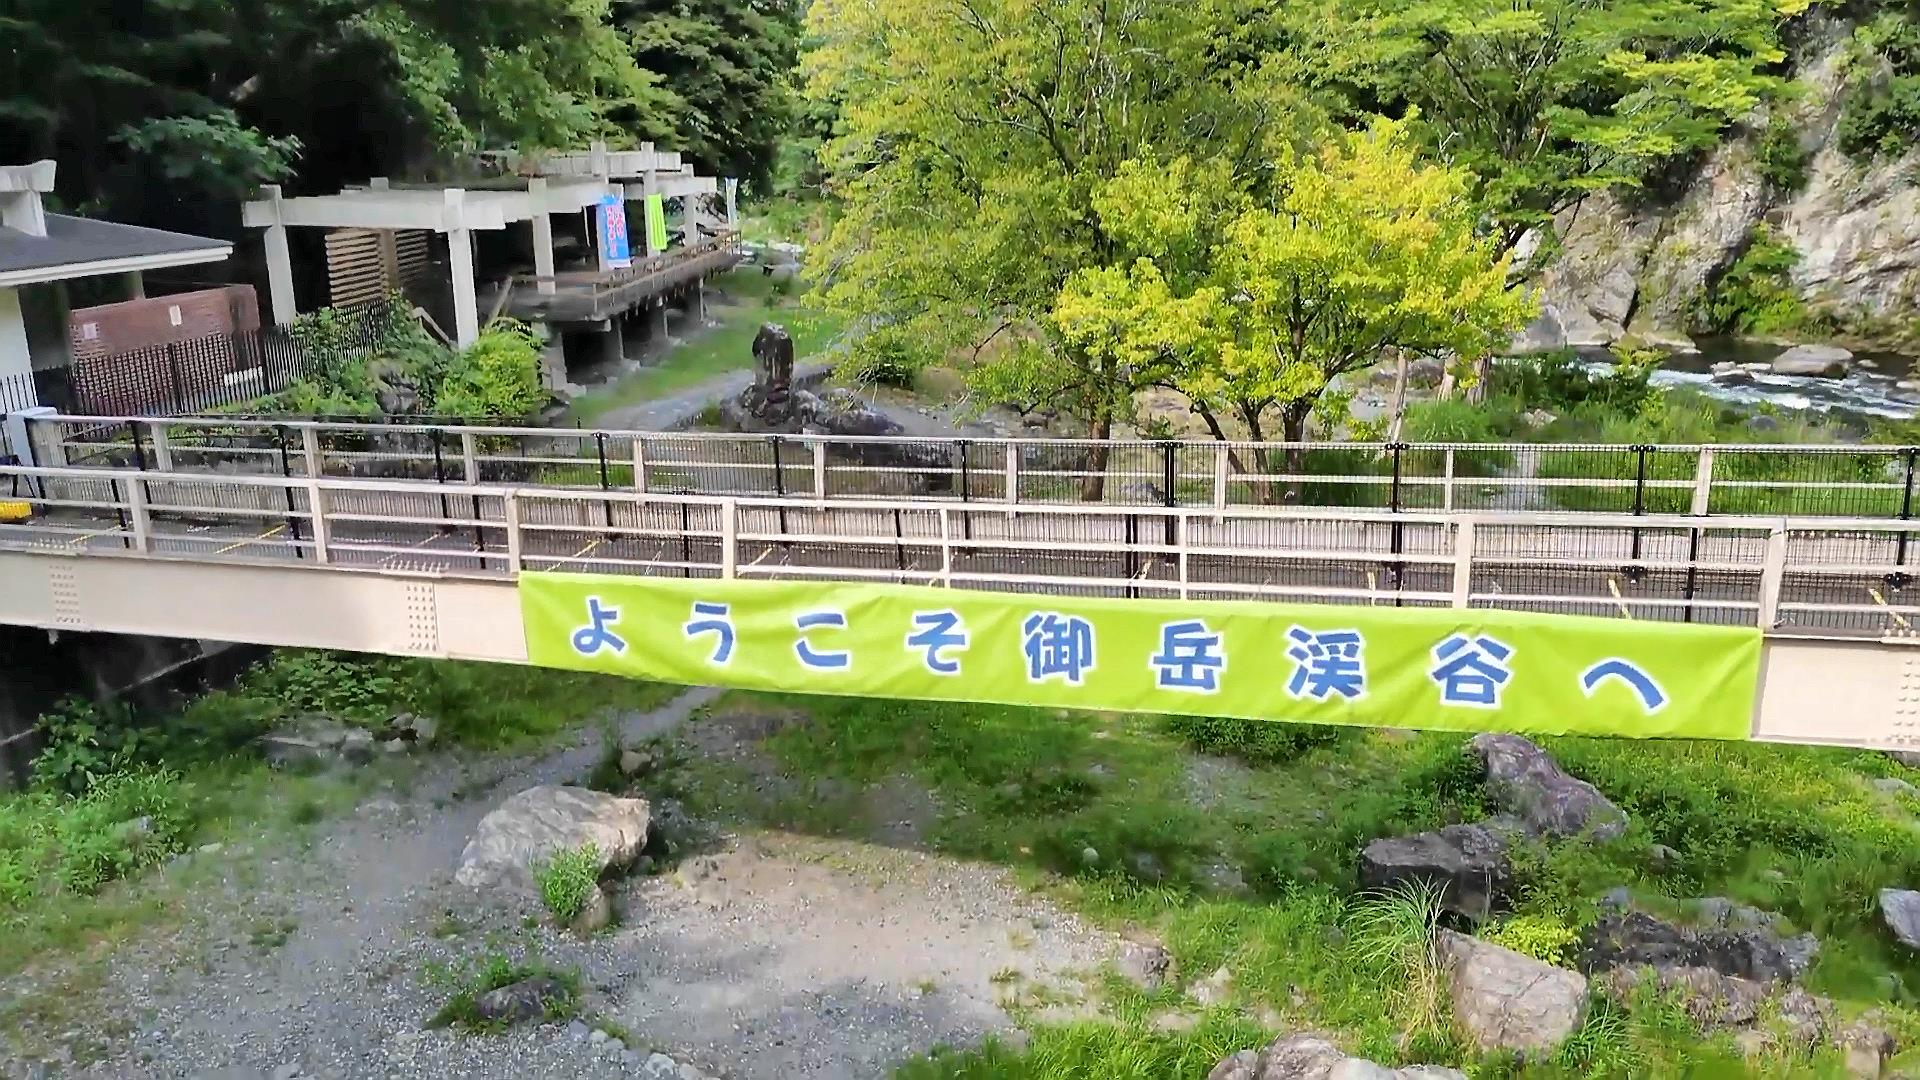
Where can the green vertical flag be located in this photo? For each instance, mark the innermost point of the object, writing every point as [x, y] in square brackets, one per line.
[656, 223]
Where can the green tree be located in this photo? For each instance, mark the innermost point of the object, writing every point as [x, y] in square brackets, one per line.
[1362, 248]
[729, 65]
[972, 136]
[1547, 101]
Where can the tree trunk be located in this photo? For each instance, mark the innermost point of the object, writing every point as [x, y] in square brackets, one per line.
[1293, 426]
[1482, 372]
[1399, 396]
[1093, 486]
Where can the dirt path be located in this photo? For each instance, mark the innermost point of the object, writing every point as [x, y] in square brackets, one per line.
[768, 956]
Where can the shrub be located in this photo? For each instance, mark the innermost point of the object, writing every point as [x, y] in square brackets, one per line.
[567, 881]
[1540, 936]
[1259, 742]
[1756, 295]
[340, 685]
[52, 842]
[1779, 155]
[83, 741]
[497, 377]
[887, 355]
[1882, 118]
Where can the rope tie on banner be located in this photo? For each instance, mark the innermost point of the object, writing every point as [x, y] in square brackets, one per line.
[1898, 619]
[1613, 586]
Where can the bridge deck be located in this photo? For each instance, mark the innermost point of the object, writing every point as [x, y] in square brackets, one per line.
[588, 297]
[1832, 578]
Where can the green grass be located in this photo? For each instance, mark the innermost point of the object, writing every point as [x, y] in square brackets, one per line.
[492, 970]
[84, 870]
[566, 881]
[752, 299]
[1795, 830]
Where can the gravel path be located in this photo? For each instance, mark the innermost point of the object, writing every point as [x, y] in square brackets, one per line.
[769, 956]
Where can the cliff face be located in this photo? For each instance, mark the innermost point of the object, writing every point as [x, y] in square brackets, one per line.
[1631, 271]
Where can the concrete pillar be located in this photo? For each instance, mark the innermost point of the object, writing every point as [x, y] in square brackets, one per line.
[16, 355]
[466, 306]
[700, 301]
[279, 263]
[136, 283]
[542, 234]
[660, 319]
[733, 203]
[614, 345]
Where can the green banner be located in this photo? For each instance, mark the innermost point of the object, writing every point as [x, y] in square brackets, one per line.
[1473, 670]
[656, 223]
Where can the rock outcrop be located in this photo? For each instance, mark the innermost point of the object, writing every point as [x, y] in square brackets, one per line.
[1636, 267]
[1757, 953]
[1525, 780]
[540, 822]
[1468, 863]
[1506, 1000]
[1900, 910]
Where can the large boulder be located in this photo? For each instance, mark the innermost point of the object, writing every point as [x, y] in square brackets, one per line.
[1822, 361]
[1900, 909]
[541, 821]
[1468, 863]
[1757, 953]
[1527, 781]
[1312, 1057]
[1506, 1000]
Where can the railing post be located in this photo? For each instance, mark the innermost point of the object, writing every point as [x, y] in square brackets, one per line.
[1180, 544]
[640, 464]
[1013, 474]
[820, 469]
[1398, 536]
[1463, 541]
[310, 449]
[1170, 476]
[1446, 498]
[606, 483]
[322, 530]
[1222, 455]
[1634, 571]
[780, 487]
[142, 520]
[946, 548]
[1906, 513]
[469, 457]
[286, 476]
[729, 539]
[510, 515]
[1703, 483]
[162, 446]
[440, 479]
[1773, 575]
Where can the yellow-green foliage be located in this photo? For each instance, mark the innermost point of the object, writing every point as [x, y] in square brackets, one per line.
[1542, 937]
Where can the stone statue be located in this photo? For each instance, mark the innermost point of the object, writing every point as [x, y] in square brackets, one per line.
[770, 399]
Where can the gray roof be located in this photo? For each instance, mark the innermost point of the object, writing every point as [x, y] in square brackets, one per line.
[74, 240]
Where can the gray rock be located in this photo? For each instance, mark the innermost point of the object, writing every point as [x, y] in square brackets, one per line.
[1506, 1000]
[316, 742]
[1145, 964]
[634, 762]
[1544, 334]
[1527, 781]
[288, 1071]
[1893, 785]
[596, 916]
[1867, 1046]
[1711, 999]
[616, 1046]
[1467, 862]
[1900, 910]
[597, 1037]
[1663, 857]
[1909, 758]
[1822, 361]
[576, 1031]
[416, 729]
[1213, 990]
[1635, 937]
[519, 1002]
[537, 823]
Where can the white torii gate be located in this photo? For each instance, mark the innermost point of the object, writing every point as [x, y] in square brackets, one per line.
[565, 183]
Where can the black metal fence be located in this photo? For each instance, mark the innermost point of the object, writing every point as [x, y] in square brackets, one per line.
[179, 378]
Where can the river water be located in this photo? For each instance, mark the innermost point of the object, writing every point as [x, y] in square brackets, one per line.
[1870, 388]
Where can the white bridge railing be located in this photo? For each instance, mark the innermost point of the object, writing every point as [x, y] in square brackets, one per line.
[1821, 577]
[1823, 480]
